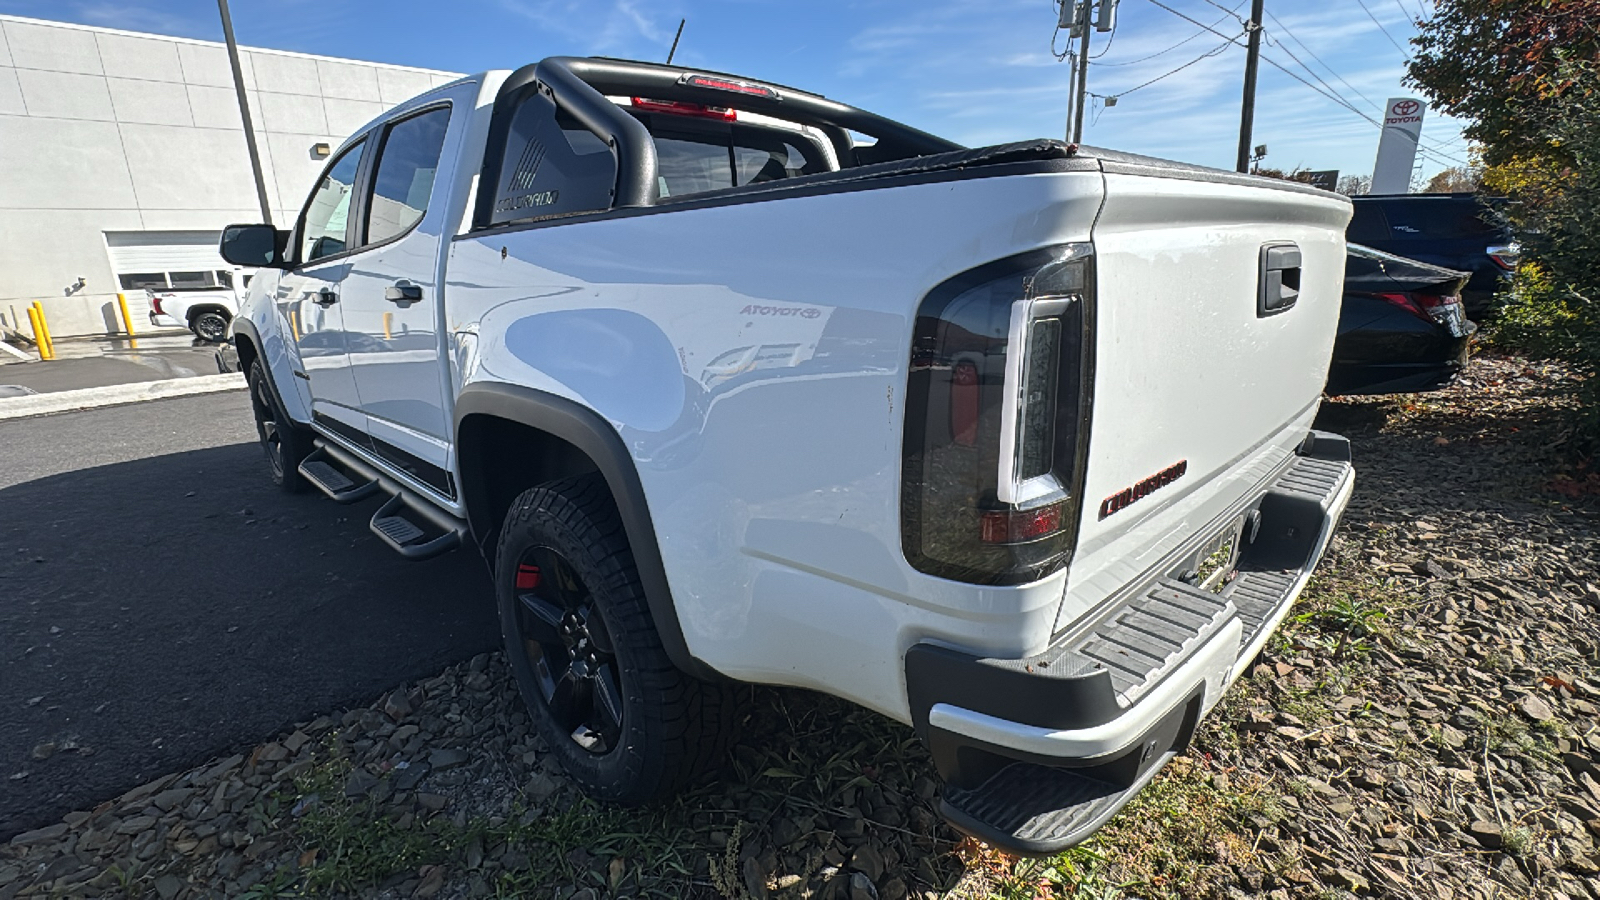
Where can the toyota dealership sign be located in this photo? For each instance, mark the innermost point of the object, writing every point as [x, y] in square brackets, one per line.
[1397, 148]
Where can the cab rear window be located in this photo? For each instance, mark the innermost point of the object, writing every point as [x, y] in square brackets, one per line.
[693, 160]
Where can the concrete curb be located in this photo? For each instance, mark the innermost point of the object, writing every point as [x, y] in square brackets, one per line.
[116, 395]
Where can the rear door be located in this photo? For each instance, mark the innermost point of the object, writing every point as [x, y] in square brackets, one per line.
[308, 294]
[390, 297]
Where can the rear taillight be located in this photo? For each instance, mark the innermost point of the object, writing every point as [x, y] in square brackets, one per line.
[155, 304]
[1406, 302]
[996, 402]
[1505, 256]
[679, 108]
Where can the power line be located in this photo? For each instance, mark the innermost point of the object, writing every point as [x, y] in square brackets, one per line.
[1292, 36]
[1403, 11]
[1133, 62]
[1385, 31]
[1333, 96]
[1206, 55]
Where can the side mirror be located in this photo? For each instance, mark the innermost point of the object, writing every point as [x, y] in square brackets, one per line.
[253, 245]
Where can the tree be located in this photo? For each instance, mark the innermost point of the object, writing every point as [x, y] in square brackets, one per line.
[1355, 185]
[1454, 180]
[1503, 65]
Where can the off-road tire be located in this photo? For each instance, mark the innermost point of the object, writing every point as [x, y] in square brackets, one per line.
[210, 326]
[286, 444]
[675, 728]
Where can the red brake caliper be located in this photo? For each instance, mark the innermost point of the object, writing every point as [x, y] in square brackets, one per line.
[527, 577]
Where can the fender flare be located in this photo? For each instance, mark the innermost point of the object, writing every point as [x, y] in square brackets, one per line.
[590, 433]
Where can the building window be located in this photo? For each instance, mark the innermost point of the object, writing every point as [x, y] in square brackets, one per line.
[142, 280]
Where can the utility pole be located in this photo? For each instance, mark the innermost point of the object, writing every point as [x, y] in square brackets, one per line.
[1082, 25]
[1252, 61]
[244, 113]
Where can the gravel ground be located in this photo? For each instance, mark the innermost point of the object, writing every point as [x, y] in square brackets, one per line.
[1425, 725]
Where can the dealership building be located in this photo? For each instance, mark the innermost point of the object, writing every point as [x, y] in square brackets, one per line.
[122, 156]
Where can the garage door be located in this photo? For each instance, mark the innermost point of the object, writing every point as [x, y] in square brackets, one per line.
[161, 259]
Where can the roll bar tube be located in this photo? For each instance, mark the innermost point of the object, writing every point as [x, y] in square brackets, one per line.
[579, 85]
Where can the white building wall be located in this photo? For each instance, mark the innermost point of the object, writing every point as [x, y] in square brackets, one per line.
[104, 130]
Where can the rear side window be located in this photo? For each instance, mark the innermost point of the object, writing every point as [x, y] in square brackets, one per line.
[407, 164]
[552, 166]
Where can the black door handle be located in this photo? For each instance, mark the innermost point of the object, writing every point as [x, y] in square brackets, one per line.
[325, 298]
[403, 292]
[1278, 288]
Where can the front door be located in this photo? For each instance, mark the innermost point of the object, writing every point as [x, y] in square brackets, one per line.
[309, 295]
[391, 300]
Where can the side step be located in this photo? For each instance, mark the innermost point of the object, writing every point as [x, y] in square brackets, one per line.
[336, 477]
[416, 530]
[407, 524]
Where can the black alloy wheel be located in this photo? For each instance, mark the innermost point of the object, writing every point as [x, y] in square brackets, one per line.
[606, 701]
[285, 443]
[573, 658]
[211, 327]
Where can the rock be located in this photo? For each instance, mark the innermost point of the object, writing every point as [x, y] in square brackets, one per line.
[540, 787]
[447, 758]
[867, 860]
[755, 878]
[1348, 879]
[861, 887]
[135, 825]
[360, 783]
[1535, 708]
[407, 778]
[1486, 834]
[43, 751]
[169, 799]
[432, 881]
[40, 835]
[168, 886]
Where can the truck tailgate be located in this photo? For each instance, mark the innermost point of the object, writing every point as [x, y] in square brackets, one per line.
[1198, 390]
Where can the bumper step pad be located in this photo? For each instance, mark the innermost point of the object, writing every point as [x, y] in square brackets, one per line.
[412, 532]
[1038, 810]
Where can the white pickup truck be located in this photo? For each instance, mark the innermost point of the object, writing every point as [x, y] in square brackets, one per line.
[729, 382]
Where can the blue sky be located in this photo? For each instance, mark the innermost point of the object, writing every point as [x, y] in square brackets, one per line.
[976, 71]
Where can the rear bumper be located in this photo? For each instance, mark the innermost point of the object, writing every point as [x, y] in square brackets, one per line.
[1038, 752]
[1361, 378]
[161, 320]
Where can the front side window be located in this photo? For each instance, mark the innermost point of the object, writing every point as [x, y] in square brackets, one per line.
[407, 165]
[327, 214]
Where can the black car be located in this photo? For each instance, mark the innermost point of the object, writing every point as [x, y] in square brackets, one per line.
[1457, 231]
[1402, 327]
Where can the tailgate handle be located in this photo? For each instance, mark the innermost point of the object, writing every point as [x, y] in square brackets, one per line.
[1279, 286]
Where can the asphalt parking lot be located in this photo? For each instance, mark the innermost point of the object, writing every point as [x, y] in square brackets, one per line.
[161, 602]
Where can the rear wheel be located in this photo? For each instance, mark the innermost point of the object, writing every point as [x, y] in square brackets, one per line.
[210, 326]
[286, 443]
[625, 723]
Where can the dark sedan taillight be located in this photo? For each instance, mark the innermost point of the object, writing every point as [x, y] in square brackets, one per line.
[1443, 309]
[996, 406]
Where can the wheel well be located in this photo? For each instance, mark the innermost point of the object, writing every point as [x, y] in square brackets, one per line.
[498, 460]
[208, 307]
[247, 351]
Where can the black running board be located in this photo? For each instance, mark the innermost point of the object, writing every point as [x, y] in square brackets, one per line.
[406, 523]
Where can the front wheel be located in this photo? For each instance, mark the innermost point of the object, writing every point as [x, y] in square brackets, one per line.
[211, 327]
[624, 722]
[286, 443]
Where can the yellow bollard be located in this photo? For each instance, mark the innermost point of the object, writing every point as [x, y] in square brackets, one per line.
[44, 328]
[127, 320]
[387, 319]
[39, 342]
